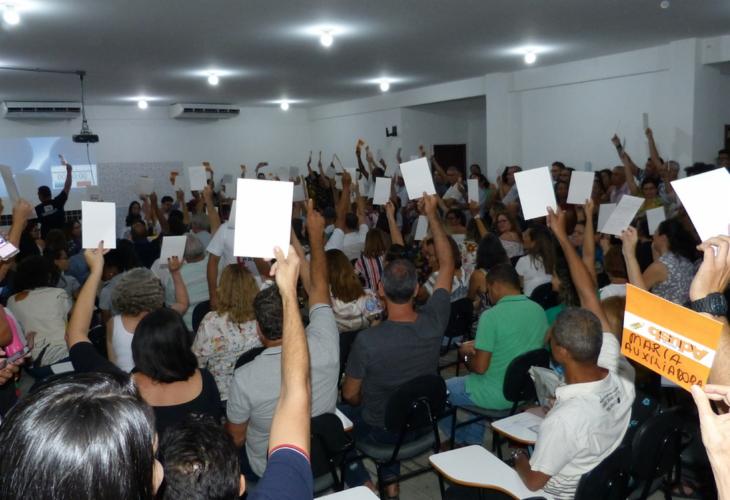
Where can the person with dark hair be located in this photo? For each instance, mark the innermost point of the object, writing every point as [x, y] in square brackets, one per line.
[671, 273]
[253, 394]
[80, 437]
[355, 307]
[536, 268]
[460, 283]
[369, 266]
[513, 326]
[72, 230]
[134, 214]
[50, 210]
[350, 229]
[59, 261]
[555, 168]
[615, 267]
[399, 349]
[42, 308]
[490, 253]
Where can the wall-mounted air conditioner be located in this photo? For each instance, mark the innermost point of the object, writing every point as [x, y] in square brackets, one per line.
[208, 111]
[41, 110]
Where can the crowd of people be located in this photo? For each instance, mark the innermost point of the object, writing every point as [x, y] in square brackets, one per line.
[198, 378]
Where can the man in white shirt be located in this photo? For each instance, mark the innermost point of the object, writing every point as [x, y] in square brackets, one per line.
[454, 196]
[591, 412]
[350, 229]
[220, 250]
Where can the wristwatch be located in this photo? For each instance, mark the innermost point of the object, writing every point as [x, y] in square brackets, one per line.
[714, 304]
[516, 453]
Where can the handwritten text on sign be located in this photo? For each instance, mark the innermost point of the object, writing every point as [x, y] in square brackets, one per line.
[669, 339]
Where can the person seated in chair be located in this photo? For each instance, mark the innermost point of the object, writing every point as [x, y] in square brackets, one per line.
[514, 326]
[400, 349]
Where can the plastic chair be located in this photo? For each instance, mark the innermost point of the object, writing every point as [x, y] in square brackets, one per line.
[199, 312]
[545, 296]
[459, 325]
[329, 445]
[248, 356]
[609, 480]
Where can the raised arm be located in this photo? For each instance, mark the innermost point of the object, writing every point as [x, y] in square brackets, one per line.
[290, 425]
[398, 157]
[213, 216]
[78, 326]
[319, 292]
[304, 267]
[434, 163]
[653, 151]
[481, 227]
[158, 214]
[589, 241]
[181, 291]
[69, 175]
[180, 195]
[655, 273]
[358, 155]
[309, 164]
[343, 204]
[429, 204]
[629, 166]
[22, 211]
[396, 237]
[578, 273]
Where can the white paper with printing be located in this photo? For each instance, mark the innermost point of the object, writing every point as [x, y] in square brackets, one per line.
[581, 187]
[263, 218]
[382, 190]
[622, 215]
[197, 178]
[98, 223]
[417, 177]
[654, 217]
[705, 198]
[472, 186]
[536, 192]
[172, 246]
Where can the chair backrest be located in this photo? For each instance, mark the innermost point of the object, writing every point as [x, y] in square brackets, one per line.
[518, 385]
[199, 312]
[460, 318]
[656, 445]
[416, 404]
[248, 356]
[545, 296]
[608, 480]
[329, 444]
[347, 339]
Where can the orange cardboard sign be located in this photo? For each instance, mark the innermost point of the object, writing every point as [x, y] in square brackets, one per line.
[669, 339]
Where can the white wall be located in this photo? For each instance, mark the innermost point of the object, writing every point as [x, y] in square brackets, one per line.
[711, 112]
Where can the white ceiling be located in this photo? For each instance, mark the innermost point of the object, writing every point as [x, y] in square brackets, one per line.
[154, 47]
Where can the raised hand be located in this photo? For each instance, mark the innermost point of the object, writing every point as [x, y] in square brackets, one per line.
[428, 204]
[615, 140]
[713, 275]
[286, 270]
[629, 237]
[390, 210]
[95, 257]
[588, 207]
[174, 264]
[715, 428]
[315, 221]
[22, 210]
[556, 222]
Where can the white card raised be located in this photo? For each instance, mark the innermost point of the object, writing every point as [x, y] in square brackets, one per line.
[535, 188]
[622, 215]
[172, 246]
[654, 217]
[98, 223]
[197, 177]
[382, 190]
[10, 186]
[705, 198]
[581, 187]
[417, 177]
[421, 228]
[144, 186]
[298, 194]
[263, 218]
[472, 186]
[604, 212]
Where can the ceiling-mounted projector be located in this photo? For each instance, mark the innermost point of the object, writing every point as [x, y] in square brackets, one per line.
[84, 136]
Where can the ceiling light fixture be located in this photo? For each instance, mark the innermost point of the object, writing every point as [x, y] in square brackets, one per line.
[284, 105]
[384, 85]
[11, 15]
[326, 39]
[213, 78]
[142, 104]
[530, 57]
[664, 4]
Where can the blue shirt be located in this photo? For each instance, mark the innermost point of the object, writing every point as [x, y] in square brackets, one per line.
[288, 476]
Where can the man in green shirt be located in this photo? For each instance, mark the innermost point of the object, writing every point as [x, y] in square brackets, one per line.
[514, 326]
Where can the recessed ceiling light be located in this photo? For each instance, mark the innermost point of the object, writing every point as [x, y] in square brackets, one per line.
[326, 39]
[213, 79]
[284, 105]
[11, 15]
[384, 85]
[142, 104]
[664, 4]
[530, 58]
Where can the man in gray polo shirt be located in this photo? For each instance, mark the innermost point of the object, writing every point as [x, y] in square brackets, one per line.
[254, 393]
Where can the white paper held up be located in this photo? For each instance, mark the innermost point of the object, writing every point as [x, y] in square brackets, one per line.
[197, 178]
[382, 190]
[581, 187]
[604, 212]
[10, 186]
[654, 217]
[98, 223]
[535, 188]
[144, 186]
[421, 228]
[622, 215]
[172, 246]
[472, 186]
[417, 177]
[298, 193]
[705, 197]
[263, 218]
[232, 216]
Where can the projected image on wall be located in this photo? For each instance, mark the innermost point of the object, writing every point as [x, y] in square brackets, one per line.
[35, 162]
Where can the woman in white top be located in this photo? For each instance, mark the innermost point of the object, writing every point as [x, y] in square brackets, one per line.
[137, 293]
[42, 308]
[354, 307]
[230, 330]
[536, 268]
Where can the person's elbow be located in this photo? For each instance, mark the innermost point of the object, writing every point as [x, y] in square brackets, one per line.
[237, 433]
[351, 392]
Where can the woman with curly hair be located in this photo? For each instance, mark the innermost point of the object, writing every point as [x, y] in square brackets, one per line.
[230, 330]
[137, 293]
[354, 307]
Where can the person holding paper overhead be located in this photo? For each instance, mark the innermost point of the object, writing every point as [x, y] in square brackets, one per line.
[670, 275]
[50, 210]
[350, 229]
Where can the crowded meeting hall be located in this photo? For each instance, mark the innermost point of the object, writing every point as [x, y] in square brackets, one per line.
[352, 250]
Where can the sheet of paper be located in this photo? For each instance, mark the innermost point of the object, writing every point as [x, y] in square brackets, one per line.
[263, 218]
[144, 186]
[232, 216]
[172, 246]
[669, 339]
[10, 186]
[622, 215]
[197, 178]
[98, 223]
[382, 190]
[417, 177]
[298, 194]
[654, 217]
[581, 186]
[604, 212]
[536, 192]
[705, 198]
[472, 186]
[645, 121]
[421, 228]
